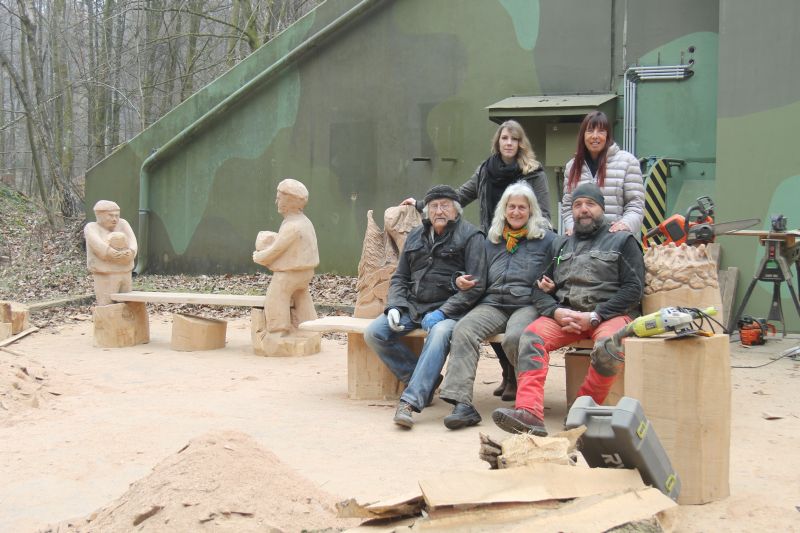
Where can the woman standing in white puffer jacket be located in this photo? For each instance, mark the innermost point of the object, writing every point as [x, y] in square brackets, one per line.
[599, 160]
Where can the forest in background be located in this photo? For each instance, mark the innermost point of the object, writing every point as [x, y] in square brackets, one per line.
[80, 77]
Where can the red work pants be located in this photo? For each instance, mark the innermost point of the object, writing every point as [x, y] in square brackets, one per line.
[540, 337]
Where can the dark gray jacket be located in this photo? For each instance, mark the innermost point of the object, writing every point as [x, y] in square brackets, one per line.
[601, 272]
[423, 280]
[478, 187]
[512, 277]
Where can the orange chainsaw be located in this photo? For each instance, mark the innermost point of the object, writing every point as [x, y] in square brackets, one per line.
[696, 228]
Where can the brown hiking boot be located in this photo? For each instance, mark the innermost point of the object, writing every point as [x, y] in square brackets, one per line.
[519, 421]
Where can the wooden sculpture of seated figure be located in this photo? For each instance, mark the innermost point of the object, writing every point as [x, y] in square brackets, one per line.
[110, 251]
[291, 254]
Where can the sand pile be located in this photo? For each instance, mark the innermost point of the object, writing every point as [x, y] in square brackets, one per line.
[221, 481]
[24, 384]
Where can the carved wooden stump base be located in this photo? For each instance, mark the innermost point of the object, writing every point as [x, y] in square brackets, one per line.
[300, 343]
[120, 325]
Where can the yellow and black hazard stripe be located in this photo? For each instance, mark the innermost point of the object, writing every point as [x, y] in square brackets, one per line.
[655, 195]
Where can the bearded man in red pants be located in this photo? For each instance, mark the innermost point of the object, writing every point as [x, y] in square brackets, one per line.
[599, 281]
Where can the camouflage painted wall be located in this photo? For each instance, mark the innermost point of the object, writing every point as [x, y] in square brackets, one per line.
[758, 163]
[408, 80]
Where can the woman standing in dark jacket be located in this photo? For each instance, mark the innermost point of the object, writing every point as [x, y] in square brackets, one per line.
[512, 160]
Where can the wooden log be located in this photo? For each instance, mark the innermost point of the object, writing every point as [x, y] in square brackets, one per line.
[17, 314]
[195, 333]
[120, 325]
[684, 387]
[576, 366]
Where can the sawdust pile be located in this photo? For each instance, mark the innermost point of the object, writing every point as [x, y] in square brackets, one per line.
[24, 384]
[221, 481]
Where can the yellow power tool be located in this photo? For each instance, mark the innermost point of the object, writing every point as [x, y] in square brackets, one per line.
[679, 320]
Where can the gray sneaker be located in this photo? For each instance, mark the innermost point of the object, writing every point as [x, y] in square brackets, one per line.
[402, 416]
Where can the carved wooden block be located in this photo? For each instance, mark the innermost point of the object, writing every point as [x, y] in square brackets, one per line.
[195, 333]
[16, 314]
[685, 390]
[5, 330]
[120, 325]
[367, 377]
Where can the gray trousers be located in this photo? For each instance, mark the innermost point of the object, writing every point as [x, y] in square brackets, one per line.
[483, 321]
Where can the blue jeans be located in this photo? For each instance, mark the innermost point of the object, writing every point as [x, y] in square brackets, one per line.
[419, 375]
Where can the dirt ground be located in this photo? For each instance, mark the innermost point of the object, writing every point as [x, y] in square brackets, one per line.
[82, 424]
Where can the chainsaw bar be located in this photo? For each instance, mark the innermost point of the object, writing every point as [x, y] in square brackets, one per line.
[722, 228]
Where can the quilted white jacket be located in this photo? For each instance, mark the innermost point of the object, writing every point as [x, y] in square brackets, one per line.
[623, 190]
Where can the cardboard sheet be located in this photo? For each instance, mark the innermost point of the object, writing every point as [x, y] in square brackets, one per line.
[527, 484]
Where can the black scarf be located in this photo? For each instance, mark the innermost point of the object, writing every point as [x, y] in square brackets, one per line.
[501, 175]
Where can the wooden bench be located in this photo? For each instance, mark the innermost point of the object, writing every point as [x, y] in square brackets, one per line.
[367, 377]
[194, 298]
[180, 328]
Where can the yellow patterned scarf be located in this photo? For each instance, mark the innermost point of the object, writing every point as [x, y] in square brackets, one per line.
[512, 237]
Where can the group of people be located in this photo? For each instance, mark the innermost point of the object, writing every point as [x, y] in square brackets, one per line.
[513, 275]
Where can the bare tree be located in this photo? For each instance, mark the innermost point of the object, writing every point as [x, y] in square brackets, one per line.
[78, 78]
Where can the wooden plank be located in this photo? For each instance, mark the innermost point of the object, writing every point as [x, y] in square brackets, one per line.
[190, 298]
[728, 282]
[18, 336]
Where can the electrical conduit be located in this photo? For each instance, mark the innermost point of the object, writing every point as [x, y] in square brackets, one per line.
[633, 75]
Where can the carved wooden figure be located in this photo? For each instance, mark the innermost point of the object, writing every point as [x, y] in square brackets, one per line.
[379, 256]
[291, 254]
[110, 251]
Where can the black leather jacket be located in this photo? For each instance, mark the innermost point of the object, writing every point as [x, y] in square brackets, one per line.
[422, 281]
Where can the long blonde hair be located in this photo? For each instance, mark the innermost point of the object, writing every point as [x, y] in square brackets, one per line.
[526, 159]
[536, 224]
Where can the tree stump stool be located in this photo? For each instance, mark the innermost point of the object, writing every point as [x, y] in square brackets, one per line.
[195, 333]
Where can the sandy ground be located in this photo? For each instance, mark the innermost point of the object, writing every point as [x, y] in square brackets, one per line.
[119, 412]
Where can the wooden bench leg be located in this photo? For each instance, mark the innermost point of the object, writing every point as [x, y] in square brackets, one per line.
[367, 377]
[576, 366]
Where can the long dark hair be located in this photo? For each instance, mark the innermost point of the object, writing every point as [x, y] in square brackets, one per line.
[595, 119]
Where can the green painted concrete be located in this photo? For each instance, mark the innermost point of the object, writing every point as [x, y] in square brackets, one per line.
[395, 102]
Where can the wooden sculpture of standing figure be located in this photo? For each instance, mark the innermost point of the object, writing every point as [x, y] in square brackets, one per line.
[110, 251]
[292, 255]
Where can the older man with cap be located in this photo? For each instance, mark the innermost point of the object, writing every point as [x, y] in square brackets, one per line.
[110, 250]
[423, 294]
[599, 280]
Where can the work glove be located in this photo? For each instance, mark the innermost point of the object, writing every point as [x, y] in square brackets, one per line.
[393, 316]
[431, 319]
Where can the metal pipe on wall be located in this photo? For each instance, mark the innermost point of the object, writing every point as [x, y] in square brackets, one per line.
[632, 77]
[201, 124]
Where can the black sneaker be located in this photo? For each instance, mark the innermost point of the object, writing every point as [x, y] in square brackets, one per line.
[402, 416]
[518, 421]
[463, 415]
[431, 397]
